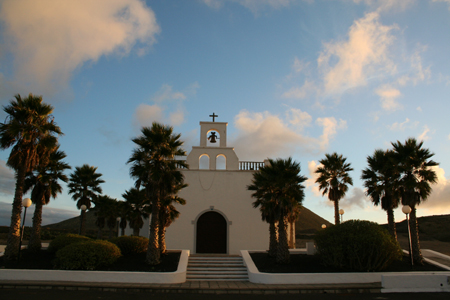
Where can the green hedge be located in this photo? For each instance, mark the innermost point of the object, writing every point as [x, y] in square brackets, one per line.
[131, 244]
[88, 255]
[357, 246]
[64, 240]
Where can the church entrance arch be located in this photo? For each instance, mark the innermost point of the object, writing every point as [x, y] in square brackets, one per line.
[211, 233]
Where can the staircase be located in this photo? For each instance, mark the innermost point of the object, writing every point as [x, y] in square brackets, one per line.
[216, 268]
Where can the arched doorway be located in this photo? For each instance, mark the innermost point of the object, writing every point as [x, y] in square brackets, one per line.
[211, 233]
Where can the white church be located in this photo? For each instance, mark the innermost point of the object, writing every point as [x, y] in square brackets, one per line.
[218, 216]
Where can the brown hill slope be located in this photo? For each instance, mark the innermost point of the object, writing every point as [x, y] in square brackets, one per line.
[73, 224]
[309, 222]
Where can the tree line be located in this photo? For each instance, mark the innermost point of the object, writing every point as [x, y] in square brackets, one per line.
[31, 131]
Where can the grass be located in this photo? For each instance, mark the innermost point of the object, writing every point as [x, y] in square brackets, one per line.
[45, 260]
[302, 263]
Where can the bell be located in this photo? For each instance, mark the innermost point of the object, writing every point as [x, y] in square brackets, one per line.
[212, 138]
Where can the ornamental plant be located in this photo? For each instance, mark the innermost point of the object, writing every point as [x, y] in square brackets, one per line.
[64, 240]
[131, 244]
[89, 255]
[357, 245]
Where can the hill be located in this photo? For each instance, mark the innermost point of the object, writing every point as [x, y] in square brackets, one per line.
[430, 227]
[309, 222]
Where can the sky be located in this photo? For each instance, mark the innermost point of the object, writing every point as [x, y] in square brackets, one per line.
[297, 78]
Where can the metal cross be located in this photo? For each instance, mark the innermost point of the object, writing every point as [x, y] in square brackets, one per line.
[213, 116]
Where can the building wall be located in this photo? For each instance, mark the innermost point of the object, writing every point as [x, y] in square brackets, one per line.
[224, 192]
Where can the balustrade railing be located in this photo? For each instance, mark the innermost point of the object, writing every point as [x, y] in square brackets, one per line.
[250, 165]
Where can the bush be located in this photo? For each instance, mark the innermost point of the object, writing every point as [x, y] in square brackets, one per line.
[88, 255]
[131, 244]
[64, 240]
[357, 246]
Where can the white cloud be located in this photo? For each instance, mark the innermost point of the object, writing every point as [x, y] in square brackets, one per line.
[166, 93]
[7, 180]
[407, 124]
[167, 106]
[298, 118]
[388, 97]
[423, 136]
[348, 64]
[262, 135]
[311, 181]
[416, 72]
[302, 92]
[51, 39]
[357, 198]
[146, 114]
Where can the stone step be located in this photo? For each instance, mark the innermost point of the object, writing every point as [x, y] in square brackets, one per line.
[216, 268]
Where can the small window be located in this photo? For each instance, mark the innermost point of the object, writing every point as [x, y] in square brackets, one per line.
[221, 162]
[203, 163]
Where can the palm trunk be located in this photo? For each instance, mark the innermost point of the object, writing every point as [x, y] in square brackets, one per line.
[337, 219]
[291, 235]
[162, 239]
[153, 254]
[282, 249]
[35, 238]
[273, 241]
[83, 222]
[12, 246]
[391, 223]
[123, 225]
[417, 254]
[136, 231]
[99, 233]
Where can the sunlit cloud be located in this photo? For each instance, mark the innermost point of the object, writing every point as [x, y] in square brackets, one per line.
[49, 40]
[424, 135]
[166, 93]
[348, 64]
[437, 202]
[311, 181]
[388, 98]
[417, 72]
[387, 5]
[262, 135]
[146, 114]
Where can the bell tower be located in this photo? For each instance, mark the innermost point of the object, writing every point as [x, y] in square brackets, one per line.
[214, 153]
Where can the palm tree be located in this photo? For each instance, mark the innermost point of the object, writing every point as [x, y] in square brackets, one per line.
[152, 162]
[167, 215]
[292, 218]
[416, 175]
[84, 186]
[279, 186]
[101, 211]
[32, 133]
[44, 182]
[380, 179]
[334, 179]
[138, 208]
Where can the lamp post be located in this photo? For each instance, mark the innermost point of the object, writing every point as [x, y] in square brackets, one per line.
[25, 203]
[407, 210]
[341, 212]
[324, 226]
[83, 209]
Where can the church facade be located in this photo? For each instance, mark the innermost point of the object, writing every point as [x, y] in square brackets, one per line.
[218, 216]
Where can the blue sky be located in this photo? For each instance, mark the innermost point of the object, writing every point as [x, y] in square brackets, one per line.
[291, 77]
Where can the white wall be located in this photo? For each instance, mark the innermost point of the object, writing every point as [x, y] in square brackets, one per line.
[227, 192]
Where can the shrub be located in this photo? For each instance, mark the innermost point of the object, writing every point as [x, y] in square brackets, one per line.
[64, 240]
[131, 244]
[357, 246]
[88, 255]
